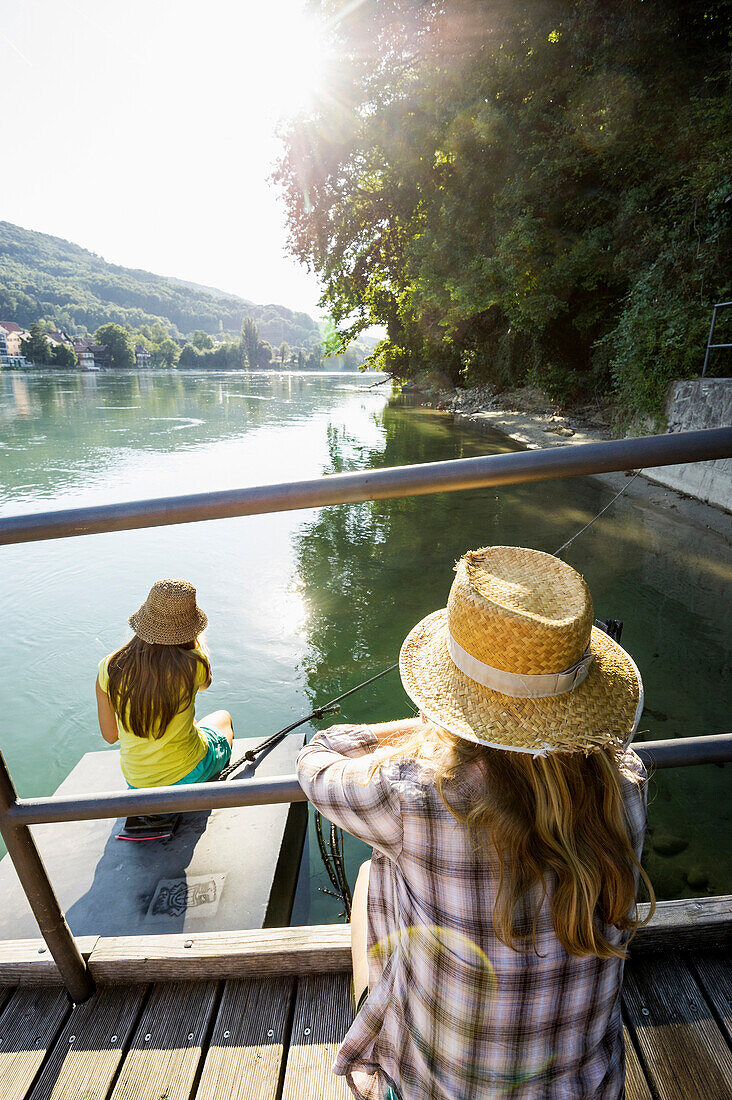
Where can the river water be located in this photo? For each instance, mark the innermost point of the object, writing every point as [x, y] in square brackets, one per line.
[303, 605]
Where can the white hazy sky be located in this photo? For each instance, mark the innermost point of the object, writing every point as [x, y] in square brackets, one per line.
[144, 131]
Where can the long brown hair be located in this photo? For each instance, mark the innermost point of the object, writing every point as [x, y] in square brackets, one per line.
[562, 815]
[154, 682]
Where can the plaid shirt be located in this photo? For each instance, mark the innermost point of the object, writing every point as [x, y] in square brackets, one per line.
[452, 1013]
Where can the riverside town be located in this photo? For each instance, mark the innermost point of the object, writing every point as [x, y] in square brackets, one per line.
[365, 551]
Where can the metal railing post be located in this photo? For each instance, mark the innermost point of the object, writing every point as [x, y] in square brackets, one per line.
[33, 878]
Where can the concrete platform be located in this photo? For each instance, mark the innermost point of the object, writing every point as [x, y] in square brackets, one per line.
[222, 870]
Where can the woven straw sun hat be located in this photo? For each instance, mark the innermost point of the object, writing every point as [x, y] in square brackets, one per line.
[514, 661]
[169, 615]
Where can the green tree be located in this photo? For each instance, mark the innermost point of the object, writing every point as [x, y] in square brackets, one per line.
[119, 343]
[64, 356]
[284, 353]
[167, 353]
[315, 358]
[249, 343]
[202, 340]
[522, 190]
[300, 359]
[36, 348]
[191, 357]
[264, 354]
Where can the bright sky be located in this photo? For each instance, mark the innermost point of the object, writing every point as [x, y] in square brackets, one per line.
[144, 131]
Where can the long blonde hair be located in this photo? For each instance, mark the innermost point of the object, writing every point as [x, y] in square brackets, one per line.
[562, 815]
[150, 683]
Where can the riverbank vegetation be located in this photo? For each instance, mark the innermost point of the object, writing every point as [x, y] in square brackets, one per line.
[77, 291]
[523, 192]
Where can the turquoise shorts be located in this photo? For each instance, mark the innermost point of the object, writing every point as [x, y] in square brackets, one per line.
[217, 757]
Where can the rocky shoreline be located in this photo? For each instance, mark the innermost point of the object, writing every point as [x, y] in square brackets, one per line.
[531, 419]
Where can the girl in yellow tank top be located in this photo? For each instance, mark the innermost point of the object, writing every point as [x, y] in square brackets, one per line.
[146, 693]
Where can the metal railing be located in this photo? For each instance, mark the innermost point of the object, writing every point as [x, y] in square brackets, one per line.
[16, 814]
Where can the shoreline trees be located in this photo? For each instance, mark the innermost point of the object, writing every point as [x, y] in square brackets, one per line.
[522, 191]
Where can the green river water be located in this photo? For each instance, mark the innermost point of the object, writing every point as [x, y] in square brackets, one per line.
[303, 605]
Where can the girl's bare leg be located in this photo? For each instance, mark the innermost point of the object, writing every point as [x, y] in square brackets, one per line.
[358, 932]
[221, 719]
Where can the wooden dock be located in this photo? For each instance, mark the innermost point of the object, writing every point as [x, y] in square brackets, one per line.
[259, 1015]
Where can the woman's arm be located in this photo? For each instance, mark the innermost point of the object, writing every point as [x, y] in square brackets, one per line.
[335, 772]
[391, 733]
[107, 719]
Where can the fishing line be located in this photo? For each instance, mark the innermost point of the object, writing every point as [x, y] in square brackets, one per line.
[600, 513]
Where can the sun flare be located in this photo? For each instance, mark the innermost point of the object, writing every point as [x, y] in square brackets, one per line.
[298, 61]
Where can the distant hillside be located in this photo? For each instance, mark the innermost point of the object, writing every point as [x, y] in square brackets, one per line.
[43, 277]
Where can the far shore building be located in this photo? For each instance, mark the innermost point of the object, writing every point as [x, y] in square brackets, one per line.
[91, 356]
[11, 353]
[142, 358]
[58, 336]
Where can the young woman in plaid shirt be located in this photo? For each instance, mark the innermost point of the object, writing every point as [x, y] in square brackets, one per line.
[507, 824]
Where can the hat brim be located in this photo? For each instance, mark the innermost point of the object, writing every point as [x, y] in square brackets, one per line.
[602, 711]
[151, 630]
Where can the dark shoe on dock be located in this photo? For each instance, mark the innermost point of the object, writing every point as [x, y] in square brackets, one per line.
[149, 827]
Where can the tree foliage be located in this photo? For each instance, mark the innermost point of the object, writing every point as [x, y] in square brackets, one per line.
[36, 348]
[119, 343]
[522, 189]
[249, 342]
[64, 356]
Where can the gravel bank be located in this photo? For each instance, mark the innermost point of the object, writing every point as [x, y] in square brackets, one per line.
[529, 418]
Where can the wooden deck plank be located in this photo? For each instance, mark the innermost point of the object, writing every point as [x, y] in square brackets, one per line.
[259, 952]
[29, 1025]
[247, 1047]
[684, 1052]
[91, 1046]
[698, 923]
[166, 1049]
[714, 974]
[689, 924]
[636, 1086]
[323, 1014]
[29, 962]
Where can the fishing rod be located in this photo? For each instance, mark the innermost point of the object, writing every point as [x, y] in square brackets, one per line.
[329, 708]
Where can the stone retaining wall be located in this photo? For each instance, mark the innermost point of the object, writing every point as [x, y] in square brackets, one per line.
[692, 405]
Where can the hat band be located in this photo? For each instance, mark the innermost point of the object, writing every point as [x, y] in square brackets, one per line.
[518, 685]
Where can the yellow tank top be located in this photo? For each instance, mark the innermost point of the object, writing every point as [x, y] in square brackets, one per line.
[159, 761]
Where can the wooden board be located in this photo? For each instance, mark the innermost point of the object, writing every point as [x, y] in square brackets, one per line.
[323, 1014]
[244, 1059]
[690, 924]
[714, 974]
[29, 1025]
[218, 871]
[684, 1052]
[166, 1049]
[636, 1086]
[262, 952]
[26, 962]
[91, 1046]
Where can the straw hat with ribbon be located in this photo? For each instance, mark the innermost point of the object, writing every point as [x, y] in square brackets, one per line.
[169, 615]
[515, 662]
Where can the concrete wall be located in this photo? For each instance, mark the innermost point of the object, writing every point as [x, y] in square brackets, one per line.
[692, 405]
